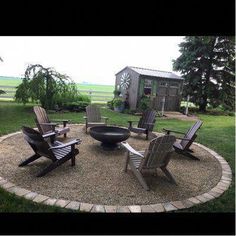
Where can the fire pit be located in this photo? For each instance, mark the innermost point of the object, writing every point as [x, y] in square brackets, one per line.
[110, 136]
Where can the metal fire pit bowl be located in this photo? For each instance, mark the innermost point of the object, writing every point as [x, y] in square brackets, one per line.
[110, 136]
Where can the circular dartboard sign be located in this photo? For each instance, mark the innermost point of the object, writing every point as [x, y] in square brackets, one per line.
[125, 80]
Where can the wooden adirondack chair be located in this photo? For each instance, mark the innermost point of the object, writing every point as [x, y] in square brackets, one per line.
[93, 117]
[145, 124]
[58, 152]
[46, 126]
[156, 156]
[183, 146]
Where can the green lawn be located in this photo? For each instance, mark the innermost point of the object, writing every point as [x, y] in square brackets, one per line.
[217, 132]
[104, 94]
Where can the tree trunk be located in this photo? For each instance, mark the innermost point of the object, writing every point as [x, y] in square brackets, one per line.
[203, 105]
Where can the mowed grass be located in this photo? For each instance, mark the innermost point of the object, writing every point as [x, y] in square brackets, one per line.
[217, 133]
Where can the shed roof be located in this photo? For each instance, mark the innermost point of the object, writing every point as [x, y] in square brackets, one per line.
[155, 73]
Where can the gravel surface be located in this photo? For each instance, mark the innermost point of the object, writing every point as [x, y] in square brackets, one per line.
[98, 175]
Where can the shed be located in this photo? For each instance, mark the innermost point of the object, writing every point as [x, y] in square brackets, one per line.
[136, 82]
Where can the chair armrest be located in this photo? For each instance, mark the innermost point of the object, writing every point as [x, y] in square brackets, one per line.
[49, 124]
[58, 120]
[73, 142]
[49, 134]
[104, 117]
[187, 139]
[130, 121]
[130, 149]
[173, 131]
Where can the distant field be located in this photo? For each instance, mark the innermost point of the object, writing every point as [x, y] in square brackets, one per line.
[99, 93]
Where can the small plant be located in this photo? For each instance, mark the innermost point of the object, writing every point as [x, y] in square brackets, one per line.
[76, 106]
[110, 104]
[144, 103]
[118, 102]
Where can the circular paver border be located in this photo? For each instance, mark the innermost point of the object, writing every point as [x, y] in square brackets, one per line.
[213, 193]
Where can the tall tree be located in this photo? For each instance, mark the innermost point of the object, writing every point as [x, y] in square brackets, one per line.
[207, 64]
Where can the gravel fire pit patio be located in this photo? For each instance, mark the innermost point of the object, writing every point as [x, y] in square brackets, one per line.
[98, 176]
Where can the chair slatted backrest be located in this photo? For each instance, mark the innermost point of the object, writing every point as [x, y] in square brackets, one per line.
[41, 117]
[38, 143]
[157, 153]
[93, 113]
[191, 134]
[147, 117]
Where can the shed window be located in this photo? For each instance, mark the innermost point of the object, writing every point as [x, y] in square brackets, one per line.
[147, 87]
[163, 84]
[174, 84]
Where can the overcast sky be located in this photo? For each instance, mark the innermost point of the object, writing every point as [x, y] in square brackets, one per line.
[92, 59]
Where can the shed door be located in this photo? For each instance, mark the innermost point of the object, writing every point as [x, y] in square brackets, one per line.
[169, 90]
[172, 99]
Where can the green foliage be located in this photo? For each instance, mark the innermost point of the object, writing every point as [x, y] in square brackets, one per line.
[43, 85]
[2, 91]
[116, 92]
[118, 102]
[208, 67]
[76, 106]
[144, 103]
[22, 94]
[110, 104]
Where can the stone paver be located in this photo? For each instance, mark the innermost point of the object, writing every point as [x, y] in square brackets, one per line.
[225, 181]
[74, 205]
[194, 200]
[30, 195]
[3, 181]
[123, 209]
[202, 198]
[110, 209]
[178, 204]
[134, 209]
[187, 203]
[50, 201]
[169, 207]
[8, 185]
[19, 191]
[61, 203]
[226, 178]
[147, 208]
[217, 190]
[98, 208]
[158, 207]
[215, 194]
[86, 207]
[208, 196]
[40, 198]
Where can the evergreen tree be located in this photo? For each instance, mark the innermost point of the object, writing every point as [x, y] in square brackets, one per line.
[207, 64]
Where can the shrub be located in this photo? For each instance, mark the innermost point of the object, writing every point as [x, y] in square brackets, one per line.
[76, 106]
[118, 102]
[110, 104]
[144, 103]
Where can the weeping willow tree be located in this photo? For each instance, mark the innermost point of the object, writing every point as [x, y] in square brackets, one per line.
[43, 85]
